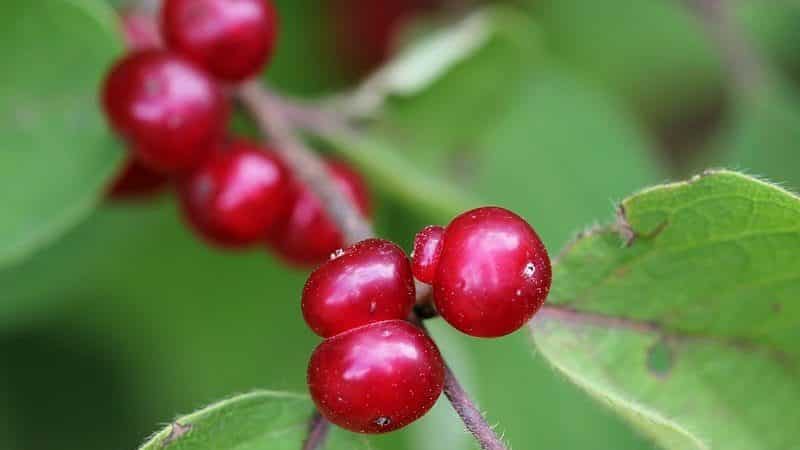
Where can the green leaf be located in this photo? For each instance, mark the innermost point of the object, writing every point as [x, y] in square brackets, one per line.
[683, 316]
[57, 153]
[259, 420]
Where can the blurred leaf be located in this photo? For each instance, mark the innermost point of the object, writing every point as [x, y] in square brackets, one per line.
[773, 28]
[690, 331]
[305, 42]
[506, 126]
[423, 62]
[259, 420]
[762, 135]
[85, 375]
[634, 49]
[656, 54]
[57, 153]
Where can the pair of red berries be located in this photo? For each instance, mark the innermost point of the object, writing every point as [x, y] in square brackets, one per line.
[243, 195]
[375, 372]
[169, 104]
[170, 107]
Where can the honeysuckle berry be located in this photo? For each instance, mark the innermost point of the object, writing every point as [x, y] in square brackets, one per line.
[376, 378]
[231, 39]
[135, 181]
[427, 250]
[493, 273]
[308, 236]
[169, 111]
[367, 282]
[237, 196]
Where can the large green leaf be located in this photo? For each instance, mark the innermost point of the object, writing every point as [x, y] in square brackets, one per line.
[57, 153]
[256, 421]
[683, 316]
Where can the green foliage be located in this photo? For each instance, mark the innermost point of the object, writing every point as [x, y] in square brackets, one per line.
[633, 48]
[57, 152]
[538, 110]
[259, 420]
[687, 325]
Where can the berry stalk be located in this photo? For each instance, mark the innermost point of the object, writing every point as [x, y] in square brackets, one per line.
[465, 407]
[318, 429]
[272, 121]
[303, 162]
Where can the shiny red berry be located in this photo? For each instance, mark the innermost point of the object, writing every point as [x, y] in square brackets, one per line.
[141, 30]
[309, 236]
[237, 195]
[427, 250]
[135, 181]
[367, 282]
[493, 273]
[376, 378]
[232, 39]
[169, 110]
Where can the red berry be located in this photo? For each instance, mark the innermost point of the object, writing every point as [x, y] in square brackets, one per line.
[169, 110]
[376, 378]
[136, 181]
[237, 195]
[309, 236]
[493, 274]
[141, 31]
[232, 39]
[427, 250]
[368, 282]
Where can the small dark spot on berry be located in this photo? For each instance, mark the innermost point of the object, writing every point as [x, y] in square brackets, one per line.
[383, 421]
[777, 307]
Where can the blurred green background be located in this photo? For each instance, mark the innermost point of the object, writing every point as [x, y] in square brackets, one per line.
[128, 320]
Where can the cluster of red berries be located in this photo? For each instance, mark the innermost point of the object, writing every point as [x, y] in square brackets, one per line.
[375, 372]
[169, 101]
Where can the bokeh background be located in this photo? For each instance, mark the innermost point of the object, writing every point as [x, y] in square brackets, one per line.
[128, 320]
